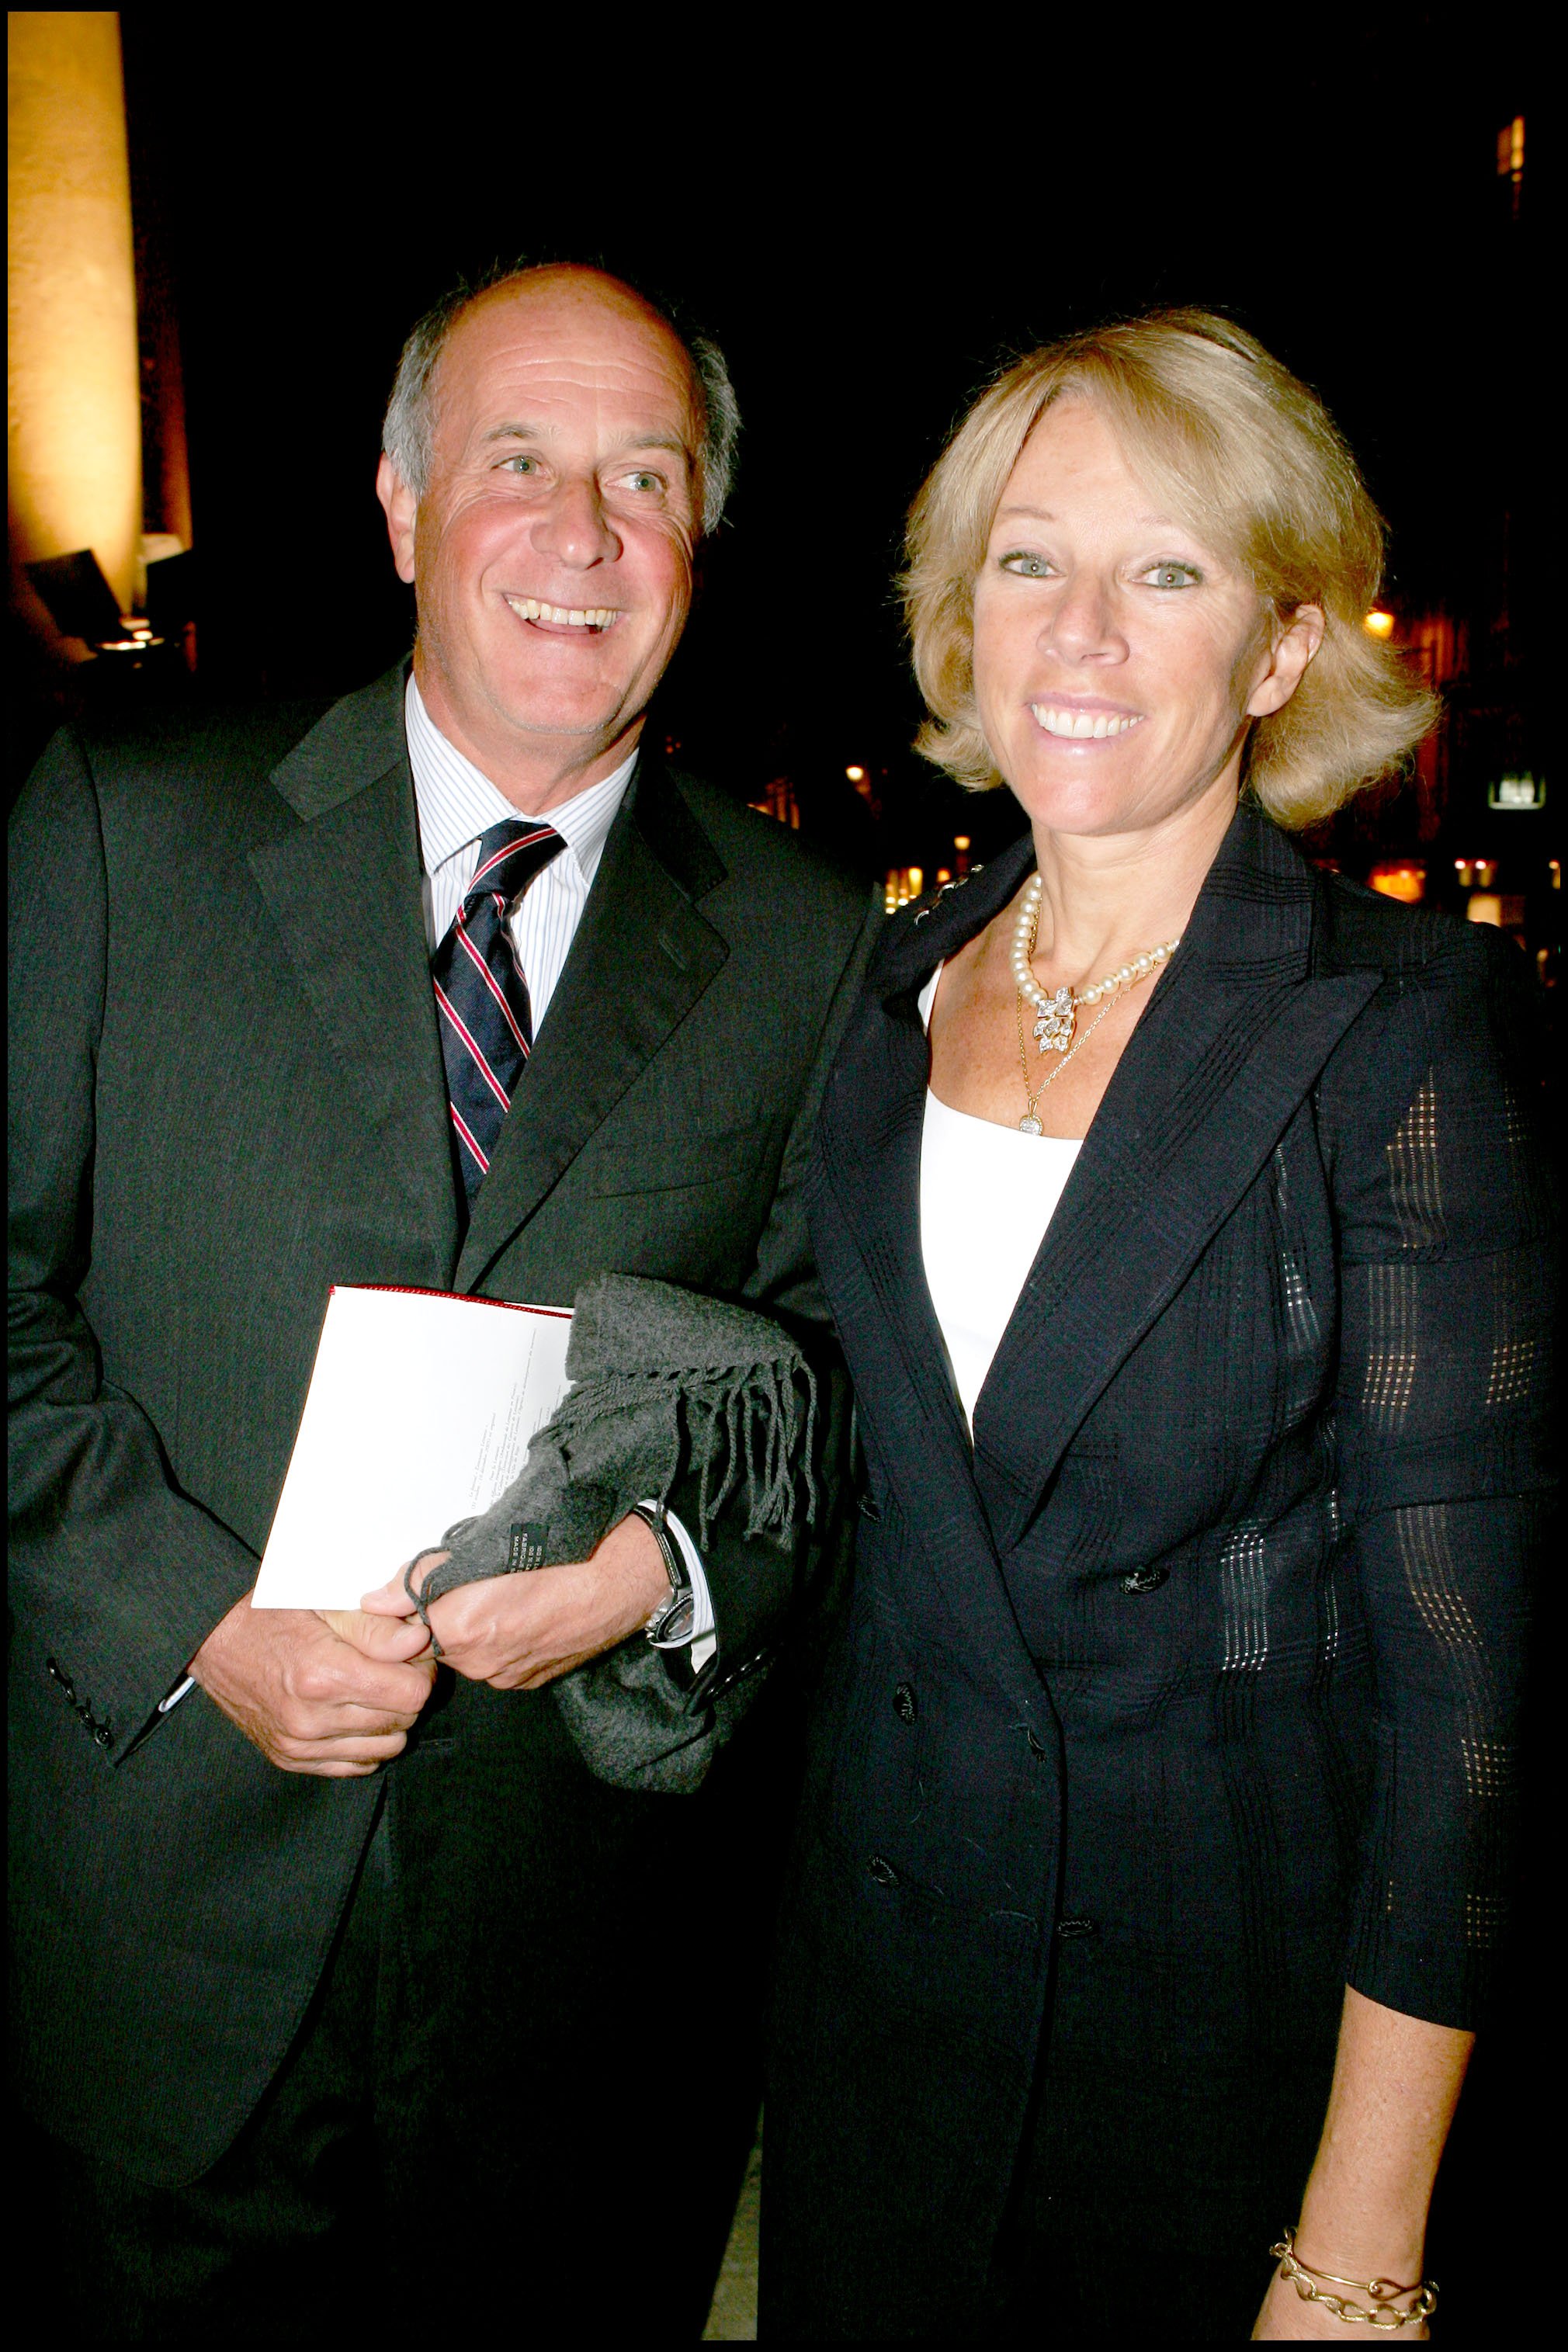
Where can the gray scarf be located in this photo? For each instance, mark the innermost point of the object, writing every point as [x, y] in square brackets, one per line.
[665, 1382]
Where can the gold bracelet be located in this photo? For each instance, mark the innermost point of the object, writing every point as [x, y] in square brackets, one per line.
[1303, 2278]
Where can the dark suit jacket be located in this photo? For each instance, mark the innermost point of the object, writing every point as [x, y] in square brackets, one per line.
[227, 1095]
[1190, 1692]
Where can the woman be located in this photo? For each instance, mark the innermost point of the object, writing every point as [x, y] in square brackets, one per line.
[1186, 1236]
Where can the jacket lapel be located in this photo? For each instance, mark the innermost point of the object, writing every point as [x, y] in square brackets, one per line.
[642, 957]
[864, 1222]
[1234, 1037]
[343, 889]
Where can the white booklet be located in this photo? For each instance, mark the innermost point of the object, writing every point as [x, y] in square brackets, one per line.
[419, 1413]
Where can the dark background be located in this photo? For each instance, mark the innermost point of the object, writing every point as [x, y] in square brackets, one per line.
[867, 223]
[868, 214]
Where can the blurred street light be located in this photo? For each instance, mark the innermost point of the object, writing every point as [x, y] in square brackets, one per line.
[1403, 878]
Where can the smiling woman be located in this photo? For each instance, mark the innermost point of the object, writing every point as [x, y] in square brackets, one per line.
[1232, 448]
[1178, 1204]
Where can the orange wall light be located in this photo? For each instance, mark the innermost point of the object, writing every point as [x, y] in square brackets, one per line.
[75, 424]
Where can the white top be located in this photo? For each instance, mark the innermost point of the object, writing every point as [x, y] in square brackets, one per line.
[987, 1194]
[457, 803]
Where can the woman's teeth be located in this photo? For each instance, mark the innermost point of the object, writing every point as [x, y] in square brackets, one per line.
[563, 616]
[1084, 724]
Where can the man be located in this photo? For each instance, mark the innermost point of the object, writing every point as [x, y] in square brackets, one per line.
[347, 1994]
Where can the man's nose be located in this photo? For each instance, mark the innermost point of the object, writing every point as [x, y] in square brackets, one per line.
[574, 527]
[1084, 626]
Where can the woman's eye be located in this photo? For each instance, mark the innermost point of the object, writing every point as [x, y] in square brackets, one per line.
[1025, 566]
[1173, 575]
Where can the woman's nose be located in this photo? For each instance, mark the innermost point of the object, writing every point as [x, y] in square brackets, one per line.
[1083, 624]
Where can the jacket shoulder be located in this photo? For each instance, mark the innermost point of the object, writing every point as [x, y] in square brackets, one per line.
[1361, 930]
[196, 740]
[760, 854]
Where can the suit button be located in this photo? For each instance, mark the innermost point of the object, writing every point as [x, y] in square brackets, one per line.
[882, 1872]
[1037, 1744]
[1144, 1579]
[868, 1510]
[1068, 1929]
[904, 1705]
[102, 1736]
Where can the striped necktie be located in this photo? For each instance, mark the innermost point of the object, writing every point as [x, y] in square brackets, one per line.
[482, 996]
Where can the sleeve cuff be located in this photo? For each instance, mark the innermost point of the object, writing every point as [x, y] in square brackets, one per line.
[176, 1694]
[704, 1626]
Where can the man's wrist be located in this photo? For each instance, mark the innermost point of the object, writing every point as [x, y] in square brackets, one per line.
[647, 1579]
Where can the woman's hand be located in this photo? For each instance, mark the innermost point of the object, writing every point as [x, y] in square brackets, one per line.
[519, 1632]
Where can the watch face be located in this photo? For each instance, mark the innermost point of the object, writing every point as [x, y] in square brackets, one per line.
[672, 1629]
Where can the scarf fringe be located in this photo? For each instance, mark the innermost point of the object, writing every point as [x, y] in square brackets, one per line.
[755, 1422]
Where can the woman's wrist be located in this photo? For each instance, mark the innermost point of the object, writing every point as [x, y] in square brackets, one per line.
[1355, 2253]
[1375, 2298]
[1362, 2244]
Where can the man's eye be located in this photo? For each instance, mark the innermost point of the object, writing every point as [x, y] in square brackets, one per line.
[1025, 566]
[1173, 575]
[642, 481]
[520, 465]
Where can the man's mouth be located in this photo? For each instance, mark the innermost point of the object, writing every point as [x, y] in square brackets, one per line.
[1084, 726]
[565, 616]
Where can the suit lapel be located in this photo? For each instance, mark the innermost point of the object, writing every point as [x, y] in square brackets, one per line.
[343, 889]
[642, 957]
[1233, 1038]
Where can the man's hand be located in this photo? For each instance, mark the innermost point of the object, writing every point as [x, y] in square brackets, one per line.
[310, 1698]
[518, 1632]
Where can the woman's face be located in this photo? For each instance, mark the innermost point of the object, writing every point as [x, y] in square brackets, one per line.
[1117, 658]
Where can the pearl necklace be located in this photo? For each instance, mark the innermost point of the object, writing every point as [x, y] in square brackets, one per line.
[1057, 1014]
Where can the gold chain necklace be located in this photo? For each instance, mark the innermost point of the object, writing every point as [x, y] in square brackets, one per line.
[1056, 1015]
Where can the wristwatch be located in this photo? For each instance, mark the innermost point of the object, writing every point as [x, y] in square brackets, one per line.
[669, 1627]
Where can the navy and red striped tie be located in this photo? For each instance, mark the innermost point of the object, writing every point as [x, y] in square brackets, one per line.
[482, 996]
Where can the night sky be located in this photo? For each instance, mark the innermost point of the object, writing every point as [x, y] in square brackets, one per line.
[865, 234]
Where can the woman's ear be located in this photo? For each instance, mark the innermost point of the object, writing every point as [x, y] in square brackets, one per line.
[1293, 649]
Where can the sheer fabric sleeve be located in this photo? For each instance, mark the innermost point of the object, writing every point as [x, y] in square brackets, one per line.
[1445, 1476]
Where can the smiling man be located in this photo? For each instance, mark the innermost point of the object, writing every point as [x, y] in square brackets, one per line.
[349, 1994]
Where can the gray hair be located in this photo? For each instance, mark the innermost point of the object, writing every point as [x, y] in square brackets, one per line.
[405, 434]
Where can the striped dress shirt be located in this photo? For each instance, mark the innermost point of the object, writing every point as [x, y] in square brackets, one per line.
[457, 803]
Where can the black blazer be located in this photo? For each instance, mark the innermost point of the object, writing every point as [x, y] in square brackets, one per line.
[1190, 1692]
[227, 1094]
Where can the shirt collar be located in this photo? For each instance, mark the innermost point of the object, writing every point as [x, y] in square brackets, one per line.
[457, 802]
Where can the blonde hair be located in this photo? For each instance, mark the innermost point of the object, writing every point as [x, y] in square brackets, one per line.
[1245, 455]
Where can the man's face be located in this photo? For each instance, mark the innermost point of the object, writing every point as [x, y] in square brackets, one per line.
[552, 550]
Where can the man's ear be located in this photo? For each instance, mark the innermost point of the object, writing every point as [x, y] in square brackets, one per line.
[1293, 649]
[402, 508]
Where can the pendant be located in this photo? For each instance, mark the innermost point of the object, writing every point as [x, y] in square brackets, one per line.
[1054, 1028]
[1030, 1125]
